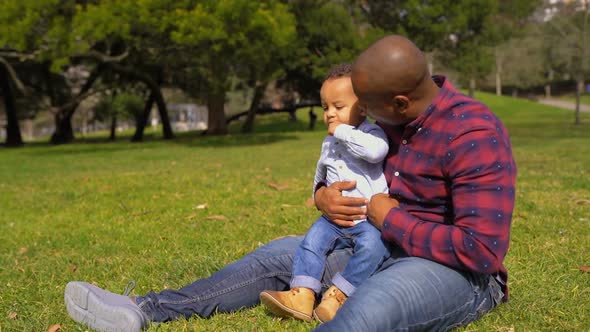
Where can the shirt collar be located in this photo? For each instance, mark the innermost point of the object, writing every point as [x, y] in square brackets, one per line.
[446, 91]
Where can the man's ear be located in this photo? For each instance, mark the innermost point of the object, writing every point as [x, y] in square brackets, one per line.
[362, 111]
[401, 103]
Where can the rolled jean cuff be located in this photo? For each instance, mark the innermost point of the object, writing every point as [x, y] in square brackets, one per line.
[346, 287]
[307, 282]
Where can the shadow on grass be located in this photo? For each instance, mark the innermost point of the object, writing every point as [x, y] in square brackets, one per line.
[271, 130]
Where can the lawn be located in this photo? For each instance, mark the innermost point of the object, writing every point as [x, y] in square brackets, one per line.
[166, 213]
[585, 98]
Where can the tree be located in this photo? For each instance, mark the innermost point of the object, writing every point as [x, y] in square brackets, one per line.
[13, 135]
[522, 60]
[509, 23]
[234, 38]
[118, 106]
[570, 30]
[327, 34]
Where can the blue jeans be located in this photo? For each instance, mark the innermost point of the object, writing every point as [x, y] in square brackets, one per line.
[407, 293]
[369, 251]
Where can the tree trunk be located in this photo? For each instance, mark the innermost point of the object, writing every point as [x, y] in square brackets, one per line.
[215, 105]
[514, 92]
[142, 120]
[163, 113]
[498, 72]
[498, 84]
[579, 92]
[258, 93]
[64, 132]
[13, 135]
[292, 114]
[155, 89]
[113, 135]
[472, 87]
[548, 85]
[312, 119]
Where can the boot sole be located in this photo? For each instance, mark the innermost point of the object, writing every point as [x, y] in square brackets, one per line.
[281, 310]
[85, 307]
[315, 315]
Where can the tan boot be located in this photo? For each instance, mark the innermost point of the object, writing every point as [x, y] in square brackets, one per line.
[332, 300]
[295, 303]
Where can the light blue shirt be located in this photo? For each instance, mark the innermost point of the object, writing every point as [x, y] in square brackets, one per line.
[354, 154]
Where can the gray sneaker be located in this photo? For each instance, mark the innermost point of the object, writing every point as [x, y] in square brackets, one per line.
[102, 310]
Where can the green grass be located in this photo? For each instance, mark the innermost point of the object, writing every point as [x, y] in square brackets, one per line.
[111, 212]
[585, 98]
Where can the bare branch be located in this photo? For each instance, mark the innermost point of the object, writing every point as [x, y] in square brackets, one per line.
[20, 55]
[101, 57]
[17, 82]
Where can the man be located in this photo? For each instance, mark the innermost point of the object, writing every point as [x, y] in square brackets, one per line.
[451, 179]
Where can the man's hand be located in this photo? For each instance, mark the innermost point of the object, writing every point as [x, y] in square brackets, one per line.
[339, 209]
[379, 207]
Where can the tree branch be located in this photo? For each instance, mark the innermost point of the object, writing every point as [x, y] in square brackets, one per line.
[17, 82]
[101, 57]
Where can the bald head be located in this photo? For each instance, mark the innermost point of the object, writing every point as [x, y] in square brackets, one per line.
[392, 65]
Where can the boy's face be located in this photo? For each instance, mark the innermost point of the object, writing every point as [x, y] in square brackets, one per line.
[340, 104]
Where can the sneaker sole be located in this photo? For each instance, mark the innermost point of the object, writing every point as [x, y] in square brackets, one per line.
[85, 307]
[281, 310]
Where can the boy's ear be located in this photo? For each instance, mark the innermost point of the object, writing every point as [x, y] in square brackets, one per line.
[401, 103]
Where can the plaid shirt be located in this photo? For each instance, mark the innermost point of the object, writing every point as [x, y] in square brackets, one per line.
[453, 173]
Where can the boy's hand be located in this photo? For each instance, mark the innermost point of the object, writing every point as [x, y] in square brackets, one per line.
[332, 126]
[379, 207]
[340, 210]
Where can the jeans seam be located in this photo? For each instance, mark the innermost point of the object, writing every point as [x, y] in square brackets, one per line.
[227, 290]
[443, 316]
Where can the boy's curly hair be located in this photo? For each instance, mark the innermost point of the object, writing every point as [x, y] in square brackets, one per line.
[340, 70]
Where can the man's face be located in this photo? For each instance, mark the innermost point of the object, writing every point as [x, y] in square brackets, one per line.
[340, 104]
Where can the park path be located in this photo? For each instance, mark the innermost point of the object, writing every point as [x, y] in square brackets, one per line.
[564, 104]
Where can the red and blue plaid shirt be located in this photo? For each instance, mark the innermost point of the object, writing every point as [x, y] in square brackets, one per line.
[453, 173]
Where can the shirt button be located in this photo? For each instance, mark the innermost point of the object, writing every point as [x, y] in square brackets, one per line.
[404, 142]
[339, 155]
[396, 173]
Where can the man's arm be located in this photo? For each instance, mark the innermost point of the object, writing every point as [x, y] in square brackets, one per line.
[482, 172]
[371, 146]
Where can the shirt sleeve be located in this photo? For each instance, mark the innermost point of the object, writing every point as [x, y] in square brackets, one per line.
[371, 146]
[481, 170]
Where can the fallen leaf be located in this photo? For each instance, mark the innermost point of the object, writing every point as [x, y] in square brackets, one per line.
[72, 268]
[23, 250]
[286, 205]
[585, 268]
[12, 315]
[216, 217]
[582, 201]
[266, 169]
[191, 216]
[54, 328]
[277, 186]
[310, 202]
[201, 206]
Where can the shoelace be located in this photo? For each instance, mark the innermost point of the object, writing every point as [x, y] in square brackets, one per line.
[129, 288]
[341, 298]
